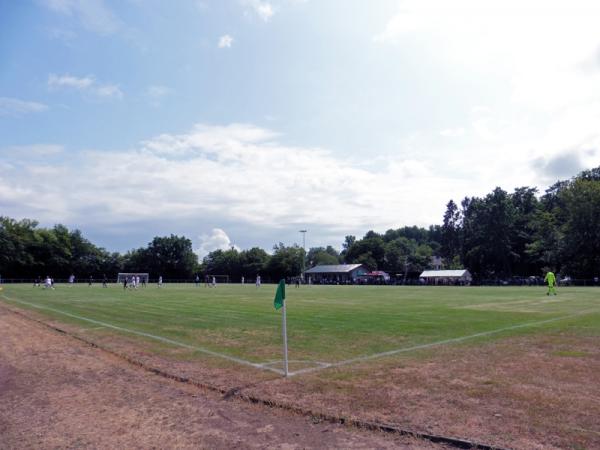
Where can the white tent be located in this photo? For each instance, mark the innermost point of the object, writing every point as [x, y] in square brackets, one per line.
[461, 276]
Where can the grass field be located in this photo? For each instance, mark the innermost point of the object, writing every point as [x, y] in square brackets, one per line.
[327, 325]
[507, 366]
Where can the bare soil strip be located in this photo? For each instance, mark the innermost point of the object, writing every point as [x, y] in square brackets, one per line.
[59, 393]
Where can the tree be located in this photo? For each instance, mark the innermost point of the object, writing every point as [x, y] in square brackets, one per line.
[369, 251]
[322, 256]
[253, 261]
[488, 228]
[286, 262]
[171, 257]
[450, 232]
[526, 207]
[581, 230]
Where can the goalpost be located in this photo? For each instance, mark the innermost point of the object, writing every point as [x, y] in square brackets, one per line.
[122, 276]
[219, 279]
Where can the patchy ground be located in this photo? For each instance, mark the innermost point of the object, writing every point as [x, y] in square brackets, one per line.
[534, 392]
[528, 392]
[56, 392]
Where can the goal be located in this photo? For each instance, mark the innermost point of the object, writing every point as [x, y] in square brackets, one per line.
[219, 279]
[122, 276]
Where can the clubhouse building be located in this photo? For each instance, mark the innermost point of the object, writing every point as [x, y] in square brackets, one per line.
[336, 274]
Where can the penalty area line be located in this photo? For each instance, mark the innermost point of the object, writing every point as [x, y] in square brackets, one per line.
[435, 344]
[151, 336]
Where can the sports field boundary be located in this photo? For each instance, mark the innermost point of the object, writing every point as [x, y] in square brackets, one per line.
[236, 392]
[165, 340]
[320, 365]
[437, 343]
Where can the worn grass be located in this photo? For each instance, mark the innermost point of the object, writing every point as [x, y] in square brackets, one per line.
[325, 323]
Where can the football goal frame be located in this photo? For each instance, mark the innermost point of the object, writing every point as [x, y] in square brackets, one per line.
[219, 278]
[122, 276]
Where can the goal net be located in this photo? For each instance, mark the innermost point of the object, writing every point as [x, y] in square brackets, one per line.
[122, 276]
[220, 279]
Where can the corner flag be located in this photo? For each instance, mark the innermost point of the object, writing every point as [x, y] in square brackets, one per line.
[279, 295]
[279, 302]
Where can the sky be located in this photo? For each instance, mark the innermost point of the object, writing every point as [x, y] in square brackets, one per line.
[238, 123]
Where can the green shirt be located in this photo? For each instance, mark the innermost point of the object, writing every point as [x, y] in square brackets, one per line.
[550, 278]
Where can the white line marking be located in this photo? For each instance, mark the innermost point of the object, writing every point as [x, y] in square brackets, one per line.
[92, 328]
[434, 344]
[322, 365]
[152, 336]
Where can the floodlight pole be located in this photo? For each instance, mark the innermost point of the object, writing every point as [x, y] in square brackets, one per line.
[304, 249]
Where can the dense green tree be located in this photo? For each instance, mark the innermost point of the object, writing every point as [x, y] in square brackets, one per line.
[322, 255]
[581, 229]
[171, 257]
[253, 262]
[527, 207]
[285, 262]
[450, 232]
[224, 262]
[488, 229]
[369, 251]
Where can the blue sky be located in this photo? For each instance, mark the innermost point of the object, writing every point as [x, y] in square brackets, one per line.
[241, 122]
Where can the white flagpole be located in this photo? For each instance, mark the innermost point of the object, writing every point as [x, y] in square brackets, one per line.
[285, 351]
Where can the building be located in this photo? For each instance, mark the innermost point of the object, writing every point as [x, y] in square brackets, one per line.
[335, 273]
[435, 277]
[375, 277]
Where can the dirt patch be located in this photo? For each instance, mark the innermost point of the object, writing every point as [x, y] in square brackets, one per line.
[530, 392]
[515, 393]
[57, 392]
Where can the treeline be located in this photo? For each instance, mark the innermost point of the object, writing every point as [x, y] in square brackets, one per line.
[27, 251]
[496, 237]
[519, 234]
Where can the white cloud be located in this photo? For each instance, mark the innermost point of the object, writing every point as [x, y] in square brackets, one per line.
[216, 240]
[263, 9]
[225, 41]
[238, 174]
[70, 81]
[109, 90]
[16, 107]
[87, 84]
[514, 39]
[535, 65]
[93, 15]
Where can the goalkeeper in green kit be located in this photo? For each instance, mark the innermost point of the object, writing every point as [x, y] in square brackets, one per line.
[551, 280]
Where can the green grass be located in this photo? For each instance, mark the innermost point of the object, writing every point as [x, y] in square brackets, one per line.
[325, 323]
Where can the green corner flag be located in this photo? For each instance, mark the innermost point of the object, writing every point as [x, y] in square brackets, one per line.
[279, 295]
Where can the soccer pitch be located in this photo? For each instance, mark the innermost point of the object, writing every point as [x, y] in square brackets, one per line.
[328, 326]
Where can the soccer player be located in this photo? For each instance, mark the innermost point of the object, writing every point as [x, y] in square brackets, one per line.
[214, 282]
[48, 283]
[551, 280]
[71, 280]
[160, 281]
[257, 280]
